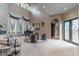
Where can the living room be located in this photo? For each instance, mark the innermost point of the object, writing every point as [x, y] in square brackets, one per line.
[38, 28]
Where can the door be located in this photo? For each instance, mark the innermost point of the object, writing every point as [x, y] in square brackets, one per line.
[75, 30]
[67, 30]
[71, 31]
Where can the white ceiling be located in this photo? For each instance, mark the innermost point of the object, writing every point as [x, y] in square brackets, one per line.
[52, 8]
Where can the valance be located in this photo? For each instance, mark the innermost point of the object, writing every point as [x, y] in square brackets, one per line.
[25, 18]
[14, 17]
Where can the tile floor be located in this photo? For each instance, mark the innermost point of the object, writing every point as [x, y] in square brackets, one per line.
[50, 47]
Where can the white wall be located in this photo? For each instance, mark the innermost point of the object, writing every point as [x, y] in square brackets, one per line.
[18, 10]
[3, 15]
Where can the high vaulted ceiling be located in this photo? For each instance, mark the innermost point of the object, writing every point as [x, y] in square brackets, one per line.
[52, 8]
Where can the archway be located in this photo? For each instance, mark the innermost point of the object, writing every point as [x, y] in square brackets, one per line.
[55, 28]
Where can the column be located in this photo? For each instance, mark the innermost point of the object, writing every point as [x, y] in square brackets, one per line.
[61, 30]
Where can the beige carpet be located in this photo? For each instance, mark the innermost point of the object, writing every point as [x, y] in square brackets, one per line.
[49, 47]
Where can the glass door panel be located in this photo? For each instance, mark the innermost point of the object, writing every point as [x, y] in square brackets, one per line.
[75, 31]
[66, 30]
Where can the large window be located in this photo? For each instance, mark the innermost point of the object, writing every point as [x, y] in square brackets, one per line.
[15, 26]
[71, 30]
[24, 5]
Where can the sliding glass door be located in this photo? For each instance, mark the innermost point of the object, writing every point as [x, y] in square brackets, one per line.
[75, 30]
[67, 30]
[71, 30]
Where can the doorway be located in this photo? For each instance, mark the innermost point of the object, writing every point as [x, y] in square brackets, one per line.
[55, 28]
[52, 30]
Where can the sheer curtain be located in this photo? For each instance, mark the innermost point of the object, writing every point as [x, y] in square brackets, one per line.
[15, 26]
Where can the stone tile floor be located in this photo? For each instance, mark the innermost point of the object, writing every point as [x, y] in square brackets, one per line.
[50, 47]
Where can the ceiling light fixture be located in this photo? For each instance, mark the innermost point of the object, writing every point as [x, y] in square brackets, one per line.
[44, 7]
[64, 8]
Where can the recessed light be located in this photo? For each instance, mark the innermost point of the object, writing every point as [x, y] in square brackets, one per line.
[64, 8]
[44, 7]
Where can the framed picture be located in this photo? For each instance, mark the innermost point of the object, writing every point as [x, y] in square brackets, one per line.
[37, 26]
